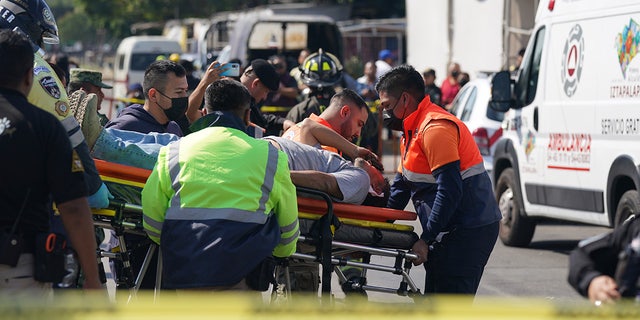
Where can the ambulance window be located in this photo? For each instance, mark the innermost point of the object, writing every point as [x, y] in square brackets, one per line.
[528, 80]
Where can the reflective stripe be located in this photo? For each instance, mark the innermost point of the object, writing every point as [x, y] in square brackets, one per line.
[418, 177]
[202, 214]
[473, 171]
[290, 227]
[429, 178]
[152, 223]
[174, 172]
[288, 240]
[175, 212]
[152, 233]
[73, 130]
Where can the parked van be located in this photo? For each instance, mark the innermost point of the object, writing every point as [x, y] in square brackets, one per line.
[570, 148]
[134, 55]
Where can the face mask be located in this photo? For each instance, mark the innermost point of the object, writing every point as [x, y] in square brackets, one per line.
[178, 107]
[390, 121]
[455, 74]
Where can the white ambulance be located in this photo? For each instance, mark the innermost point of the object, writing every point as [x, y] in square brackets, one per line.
[570, 148]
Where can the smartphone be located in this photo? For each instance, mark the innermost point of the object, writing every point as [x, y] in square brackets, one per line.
[231, 70]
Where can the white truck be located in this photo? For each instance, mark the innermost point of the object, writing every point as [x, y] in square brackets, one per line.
[570, 148]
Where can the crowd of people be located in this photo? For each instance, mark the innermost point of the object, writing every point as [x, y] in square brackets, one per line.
[221, 197]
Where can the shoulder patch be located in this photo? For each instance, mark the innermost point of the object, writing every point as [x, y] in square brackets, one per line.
[50, 85]
[76, 163]
[62, 109]
[37, 70]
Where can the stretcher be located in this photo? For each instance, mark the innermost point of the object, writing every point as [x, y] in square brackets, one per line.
[334, 231]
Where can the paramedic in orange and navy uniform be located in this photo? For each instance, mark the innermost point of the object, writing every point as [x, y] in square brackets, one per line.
[450, 188]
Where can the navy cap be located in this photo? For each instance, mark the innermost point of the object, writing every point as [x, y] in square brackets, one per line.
[266, 73]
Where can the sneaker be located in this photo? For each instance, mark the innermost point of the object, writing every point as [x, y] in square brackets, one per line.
[85, 109]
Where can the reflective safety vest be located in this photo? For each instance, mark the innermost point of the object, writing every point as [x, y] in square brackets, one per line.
[476, 205]
[219, 202]
[416, 167]
[48, 93]
[293, 133]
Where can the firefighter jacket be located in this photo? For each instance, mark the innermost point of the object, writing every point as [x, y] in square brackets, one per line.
[449, 186]
[219, 202]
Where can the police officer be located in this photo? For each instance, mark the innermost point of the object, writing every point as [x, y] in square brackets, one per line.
[35, 19]
[605, 268]
[450, 187]
[36, 163]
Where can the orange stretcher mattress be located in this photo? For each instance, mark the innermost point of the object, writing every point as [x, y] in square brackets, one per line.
[126, 182]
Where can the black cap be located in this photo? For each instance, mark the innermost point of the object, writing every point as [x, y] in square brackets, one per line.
[266, 73]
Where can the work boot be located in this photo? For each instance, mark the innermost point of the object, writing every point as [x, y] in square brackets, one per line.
[85, 109]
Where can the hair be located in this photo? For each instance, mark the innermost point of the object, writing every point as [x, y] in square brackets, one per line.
[16, 58]
[429, 72]
[347, 96]
[59, 72]
[156, 74]
[227, 95]
[403, 78]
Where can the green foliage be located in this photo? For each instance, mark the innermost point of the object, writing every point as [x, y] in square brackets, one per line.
[74, 27]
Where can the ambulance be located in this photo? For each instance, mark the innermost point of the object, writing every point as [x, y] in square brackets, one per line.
[570, 148]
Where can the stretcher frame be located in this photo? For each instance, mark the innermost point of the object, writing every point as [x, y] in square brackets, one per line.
[329, 253]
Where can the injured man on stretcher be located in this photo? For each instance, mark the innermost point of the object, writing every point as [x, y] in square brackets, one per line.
[310, 166]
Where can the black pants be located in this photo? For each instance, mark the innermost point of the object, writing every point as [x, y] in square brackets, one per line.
[456, 264]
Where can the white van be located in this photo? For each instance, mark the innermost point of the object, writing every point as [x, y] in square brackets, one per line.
[570, 148]
[134, 55]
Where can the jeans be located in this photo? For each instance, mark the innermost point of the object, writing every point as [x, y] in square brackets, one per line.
[131, 148]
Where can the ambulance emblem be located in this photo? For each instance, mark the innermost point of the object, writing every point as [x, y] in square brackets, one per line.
[572, 60]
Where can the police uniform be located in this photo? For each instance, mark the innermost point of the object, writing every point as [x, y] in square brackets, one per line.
[36, 162]
[601, 255]
[217, 214]
[48, 94]
[453, 197]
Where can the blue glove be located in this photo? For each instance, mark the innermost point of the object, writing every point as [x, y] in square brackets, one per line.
[100, 199]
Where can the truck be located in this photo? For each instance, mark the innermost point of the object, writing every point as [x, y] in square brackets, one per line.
[570, 148]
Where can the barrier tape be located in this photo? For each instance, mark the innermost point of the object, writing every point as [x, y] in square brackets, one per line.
[188, 304]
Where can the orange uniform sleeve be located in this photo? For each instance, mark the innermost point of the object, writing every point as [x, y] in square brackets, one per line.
[440, 142]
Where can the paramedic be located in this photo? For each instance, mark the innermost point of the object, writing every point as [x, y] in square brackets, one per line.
[218, 214]
[450, 188]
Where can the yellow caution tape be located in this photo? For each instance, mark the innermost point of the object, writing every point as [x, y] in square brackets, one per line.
[251, 305]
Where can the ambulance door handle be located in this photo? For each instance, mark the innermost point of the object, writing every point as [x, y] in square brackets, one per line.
[535, 118]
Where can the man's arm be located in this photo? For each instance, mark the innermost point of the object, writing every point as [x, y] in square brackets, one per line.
[317, 180]
[312, 133]
[197, 96]
[155, 202]
[76, 217]
[286, 209]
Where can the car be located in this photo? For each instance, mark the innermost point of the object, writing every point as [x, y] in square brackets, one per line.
[471, 105]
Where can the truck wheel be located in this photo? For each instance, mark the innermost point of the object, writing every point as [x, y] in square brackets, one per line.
[515, 229]
[629, 205]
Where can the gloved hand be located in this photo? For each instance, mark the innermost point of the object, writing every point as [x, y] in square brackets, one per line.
[100, 199]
